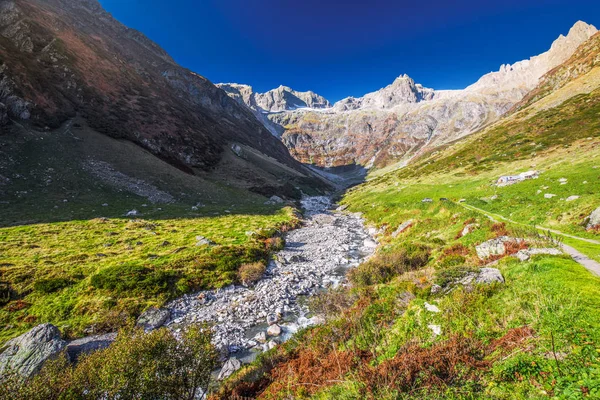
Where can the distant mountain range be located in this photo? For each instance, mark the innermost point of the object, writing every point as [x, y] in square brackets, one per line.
[399, 120]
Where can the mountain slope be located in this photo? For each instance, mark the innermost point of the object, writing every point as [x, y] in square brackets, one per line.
[396, 122]
[69, 71]
[66, 57]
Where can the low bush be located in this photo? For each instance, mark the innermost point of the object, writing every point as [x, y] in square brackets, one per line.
[51, 285]
[251, 273]
[384, 266]
[155, 365]
[132, 278]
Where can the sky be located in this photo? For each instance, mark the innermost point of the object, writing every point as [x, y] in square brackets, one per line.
[349, 48]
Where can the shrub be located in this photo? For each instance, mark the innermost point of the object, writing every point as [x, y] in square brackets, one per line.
[499, 229]
[451, 261]
[51, 285]
[274, 244]
[134, 278]
[251, 273]
[156, 365]
[384, 266]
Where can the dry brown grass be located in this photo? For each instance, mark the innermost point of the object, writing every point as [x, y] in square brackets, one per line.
[251, 273]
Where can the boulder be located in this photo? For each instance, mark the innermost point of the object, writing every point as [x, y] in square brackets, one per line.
[88, 345]
[274, 330]
[431, 308]
[369, 243]
[272, 319]
[27, 353]
[403, 227]
[274, 200]
[436, 329]
[230, 366]
[132, 213]
[153, 318]
[525, 255]
[594, 219]
[202, 241]
[489, 275]
[549, 195]
[468, 229]
[494, 247]
[261, 337]
[572, 198]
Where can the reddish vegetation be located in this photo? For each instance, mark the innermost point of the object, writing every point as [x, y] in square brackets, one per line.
[443, 364]
[457, 249]
[513, 339]
[499, 229]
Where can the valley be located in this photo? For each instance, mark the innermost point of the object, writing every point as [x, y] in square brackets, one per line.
[164, 237]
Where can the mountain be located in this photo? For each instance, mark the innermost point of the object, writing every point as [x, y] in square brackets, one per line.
[398, 121]
[276, 100]
[66, 62]
[436, 219]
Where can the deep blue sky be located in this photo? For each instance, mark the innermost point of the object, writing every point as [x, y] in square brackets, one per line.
[344, 48]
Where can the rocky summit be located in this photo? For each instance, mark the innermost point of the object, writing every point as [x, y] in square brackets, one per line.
[401, 120]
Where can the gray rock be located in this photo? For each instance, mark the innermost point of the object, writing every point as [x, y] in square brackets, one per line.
[132, 213]
[435, 289]
[261, 337]
[27, 353]
[525, 255]
[202, 241]
[88, 345]
[274, 330]
[403, 227]
[274, 200]
[572, 198]
[427, 200]
[153, 318]
[489, 275]
[468, 229]
[232, 365]
[494, 247]
[594, 219]
[272, 319]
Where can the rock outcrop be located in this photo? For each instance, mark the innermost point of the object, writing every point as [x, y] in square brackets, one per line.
[153, 318]
[26, 354]
[594, 219]
[89, 344]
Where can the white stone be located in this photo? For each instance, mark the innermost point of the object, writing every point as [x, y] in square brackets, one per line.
[431, 308]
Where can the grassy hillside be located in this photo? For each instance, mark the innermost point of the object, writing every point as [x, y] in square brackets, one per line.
[69, 254]
[534, 336]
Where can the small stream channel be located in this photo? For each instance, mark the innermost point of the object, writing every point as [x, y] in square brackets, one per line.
[316, 256]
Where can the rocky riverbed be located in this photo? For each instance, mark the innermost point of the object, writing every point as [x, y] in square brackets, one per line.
[316, 256]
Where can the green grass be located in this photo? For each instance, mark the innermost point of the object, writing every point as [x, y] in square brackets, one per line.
[551, 300]
[81, 273]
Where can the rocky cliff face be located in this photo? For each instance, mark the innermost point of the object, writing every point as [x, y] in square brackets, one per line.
[281, 99]
[60, 58]
[398, 121]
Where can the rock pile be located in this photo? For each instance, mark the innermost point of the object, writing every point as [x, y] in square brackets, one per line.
[315, 257]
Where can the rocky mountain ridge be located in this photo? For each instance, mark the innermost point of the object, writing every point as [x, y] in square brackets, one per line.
[399, 120]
